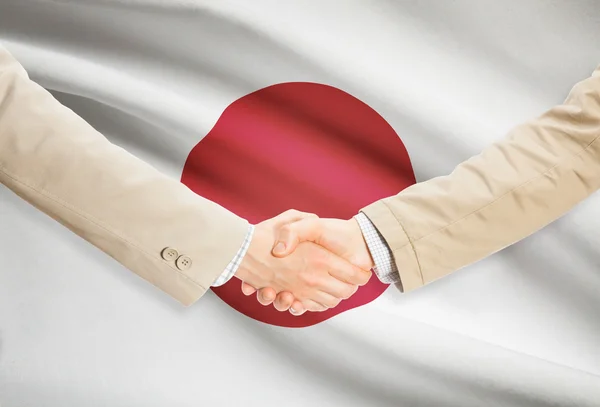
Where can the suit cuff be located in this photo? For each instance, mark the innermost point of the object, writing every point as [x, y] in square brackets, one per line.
[234, 264]
[398, 241]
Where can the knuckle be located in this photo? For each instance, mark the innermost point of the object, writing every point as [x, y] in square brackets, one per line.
[310, 280]
[359, 276]
[333, 301]
[285, 300]
[329, 304]
[315, 307]
[318, 264]
[348, 292]
[365, 277]
[321, 259]
[265, 298]
[267, 294]
[287, 229]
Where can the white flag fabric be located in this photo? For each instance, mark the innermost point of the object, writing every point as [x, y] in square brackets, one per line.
[520, 328]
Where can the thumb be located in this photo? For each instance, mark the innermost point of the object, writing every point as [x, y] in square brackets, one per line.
[291, 235]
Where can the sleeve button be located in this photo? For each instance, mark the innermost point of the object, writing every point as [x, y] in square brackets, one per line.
[169, 254]
[183, 263]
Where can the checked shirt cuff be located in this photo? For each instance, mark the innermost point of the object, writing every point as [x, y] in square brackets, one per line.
[385, 267]
[237, 260]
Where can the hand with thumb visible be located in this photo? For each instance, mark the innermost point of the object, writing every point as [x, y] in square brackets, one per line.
[341, 237]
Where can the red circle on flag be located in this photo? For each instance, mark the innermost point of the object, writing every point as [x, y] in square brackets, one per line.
[303, 146]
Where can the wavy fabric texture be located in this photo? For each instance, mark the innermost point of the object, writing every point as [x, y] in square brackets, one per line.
[517, 329]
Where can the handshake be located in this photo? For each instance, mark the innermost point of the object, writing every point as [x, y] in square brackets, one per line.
[300, 262]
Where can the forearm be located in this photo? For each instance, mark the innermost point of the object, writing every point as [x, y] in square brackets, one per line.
[57, 162]
[509, 191]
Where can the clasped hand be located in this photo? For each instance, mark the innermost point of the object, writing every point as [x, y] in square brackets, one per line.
[303, 263]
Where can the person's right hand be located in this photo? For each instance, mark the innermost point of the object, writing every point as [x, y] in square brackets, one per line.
[311, 274]
[341, 237]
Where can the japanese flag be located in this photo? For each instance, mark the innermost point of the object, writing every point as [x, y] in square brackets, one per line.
[321, 106]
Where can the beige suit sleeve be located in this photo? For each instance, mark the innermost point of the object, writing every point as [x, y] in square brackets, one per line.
[57, 162]
[515, 187]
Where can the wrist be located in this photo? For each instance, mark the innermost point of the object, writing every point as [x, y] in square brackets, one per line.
[362, 249]
[249, 269]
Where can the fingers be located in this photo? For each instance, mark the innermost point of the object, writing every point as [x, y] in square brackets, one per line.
[247, 289]
[313, 306]
[290, 216]
[283, 301]
[297, 308]
[266, 296]
[334, 288]
[345, 271]
[292, 234]
[313, 281]
[327, 300]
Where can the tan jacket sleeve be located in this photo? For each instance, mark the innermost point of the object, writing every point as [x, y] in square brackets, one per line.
[515, 187]
[57, 162]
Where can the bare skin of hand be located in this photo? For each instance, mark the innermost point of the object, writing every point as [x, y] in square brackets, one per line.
[310, 274]
[342, 237]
